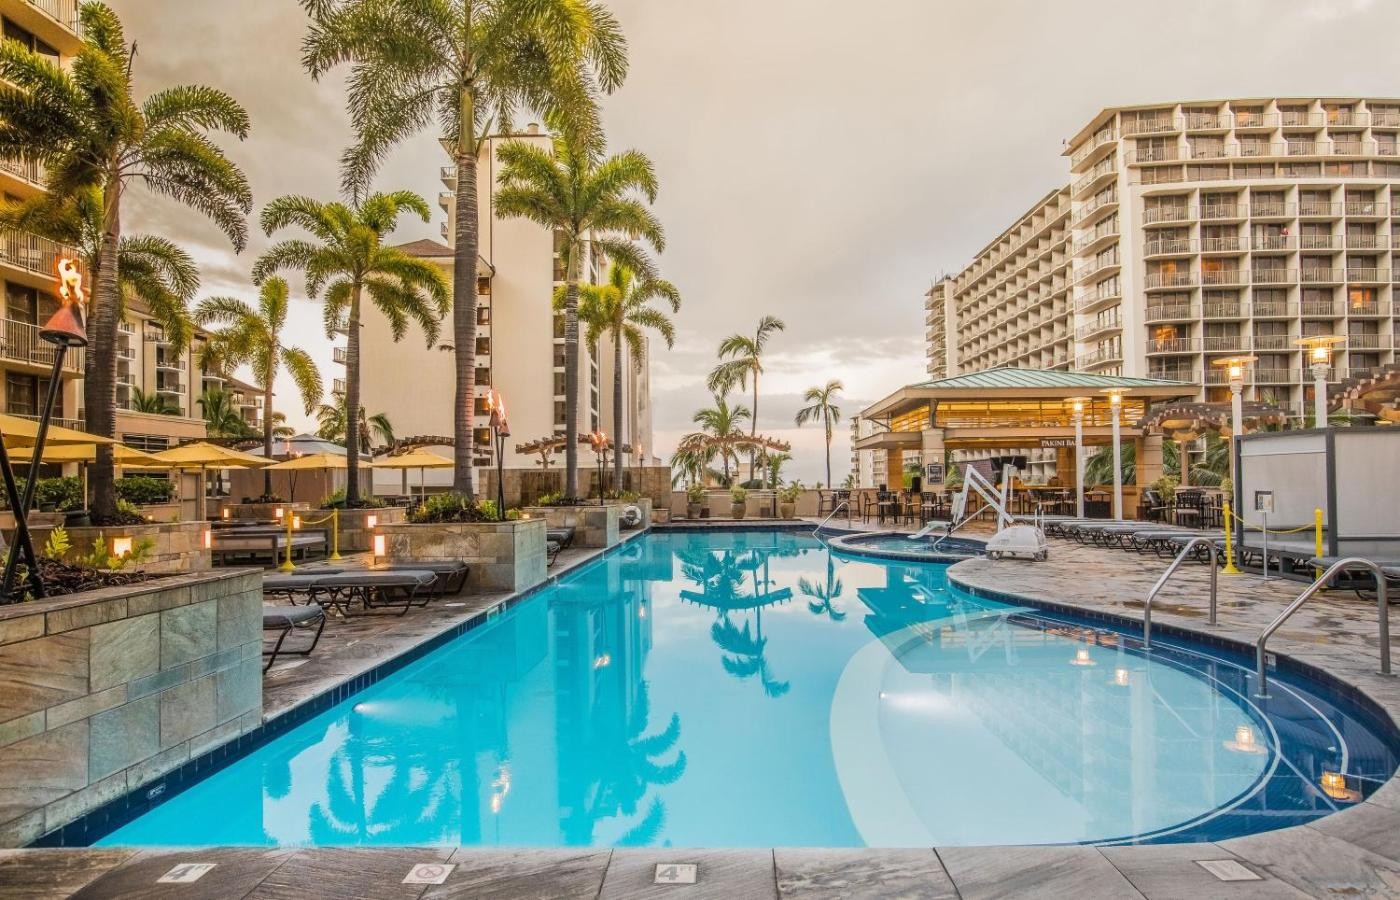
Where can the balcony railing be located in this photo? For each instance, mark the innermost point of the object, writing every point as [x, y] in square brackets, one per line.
[1175, 373]
[1156, 125]
[25, 169]
[1272, 276]
[1275, 376]
[33, 254]
[1218, 343]
[1367, 276]
[64, 12]
[1320, 242]
[1298, 118]
[1169, 153]
[1274, 342]
[339, 355]
[1265, 243]
[1221, 277]
[1217, 309]
[1321, 309]
[1199, 121]
[338, 386]
[1261, 309]
[1367, 209]
[1321, 276]
[1318, 208]
[1270, 210]
[1084, 332]
[1171, 312]
[20, 342]
[1169, 280]
[1099, 358]
[1159, 214]
[1222, 211]
[1368, 241]
[1364, 310]
[1255, 120]
[1368, 341]
[1174, 345]
[1169, 247]
[1106, 136]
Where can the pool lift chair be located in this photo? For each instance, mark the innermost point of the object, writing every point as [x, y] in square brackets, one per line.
[1011, 539]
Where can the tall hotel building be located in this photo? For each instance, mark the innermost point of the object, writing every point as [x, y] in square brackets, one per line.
[1189, 232]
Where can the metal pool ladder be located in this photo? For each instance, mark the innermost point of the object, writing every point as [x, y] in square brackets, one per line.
[1383, 615]
[829, 516]
[1176, 563]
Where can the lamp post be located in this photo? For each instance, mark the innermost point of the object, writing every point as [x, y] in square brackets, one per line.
[1078, 405]
[64, 329]
[1319, 350]
[500, 428]
[1234, 367]
[1115, 411]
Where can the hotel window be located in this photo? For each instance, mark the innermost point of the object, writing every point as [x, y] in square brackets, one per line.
[1254, 146]
[483, 346]
[1249, 117]
[482, 437]
[558, 384]
[1385, 169]
[1207, 147]
[1207, 173]
[483, 315]
[483, 286]
[16, 33]
[483, 375]
[1300, 170]
[1361, 298]
[480, 407]
[1219, 204]
[1345, 169]
[21, 304]
[1255, 171]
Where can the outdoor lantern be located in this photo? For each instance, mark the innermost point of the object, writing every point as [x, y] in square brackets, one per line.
[379, 549]
[1115, 400]
[65, 327]
[371, 521]
[1319, 350]
[208, 539]
[227, 513]
[296, 521]
[1334, 785]
[1245, 741]
[121, 546]
[1077, 404]
[277, 513]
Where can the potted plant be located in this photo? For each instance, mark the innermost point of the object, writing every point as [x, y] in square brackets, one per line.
[738, 499]
[694, 500]
[787, 500]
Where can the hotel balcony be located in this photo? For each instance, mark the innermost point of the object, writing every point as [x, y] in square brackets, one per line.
[1187, 374]
[1169, 153]
[339, 355]
[34, 256]
[1219, 212]
[1222, 309]
[1157, 281]
[1272, 210]
[165, 362]
[1228, 244]
[1094, 209]
[1158, 125]
[1273, 276]
[1274, 376]
[1098, 176]
[1320, 242]
[1088, 332]
[1265, 310]
[1362, 310]
[1169, 247]
[1225, 343]
[1091, 148]
[1246, 121]
[21, 345]
[25, 170]
[1321, 276]
[1097, 358]
[1093, 300]
[446, 199]
[1224, 278]
[338, 386]
[1275, 342]
[1162, 215]
[1366, 209]
[1319, 309]
[1172, 312]
[1199, 121]
[1156, 347]
[1314, 209]
[1368, 241]
[1368, 276]
[1368, 342]
[448, 174]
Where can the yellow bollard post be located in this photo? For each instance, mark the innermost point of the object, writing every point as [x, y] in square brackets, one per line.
[335, 534]
[1317, 539]
[287, 565]
[1230, 568]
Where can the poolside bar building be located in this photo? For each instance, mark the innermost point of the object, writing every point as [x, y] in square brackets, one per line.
[1007, 412]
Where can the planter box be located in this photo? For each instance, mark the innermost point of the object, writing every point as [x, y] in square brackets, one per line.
[594, 526]
[504, 556]
[260, 511]
[179, 546]
[161, 512]
[108, 690]
[355, 534]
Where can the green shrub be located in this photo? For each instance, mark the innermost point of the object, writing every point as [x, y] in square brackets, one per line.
[142, 490]
[100, 558]
[739, 494]
[337, 501]
[695, 493]
[624, 496]
[550, 499]
[448, 508]
[790, 493]
[489, 510]
[61, 494]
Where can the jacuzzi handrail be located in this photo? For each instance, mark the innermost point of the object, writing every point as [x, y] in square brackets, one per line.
[1383, 615]
[829, 516]
[1176, 563]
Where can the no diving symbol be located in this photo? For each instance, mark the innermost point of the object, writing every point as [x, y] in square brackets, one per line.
[428, 873]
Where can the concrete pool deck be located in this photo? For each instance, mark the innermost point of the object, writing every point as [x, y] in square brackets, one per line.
[1352, 853]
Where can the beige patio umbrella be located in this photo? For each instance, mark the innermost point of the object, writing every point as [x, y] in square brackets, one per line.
[311, 462]
[414, 459]
[21, 432]
[203, 455]
[122, 455]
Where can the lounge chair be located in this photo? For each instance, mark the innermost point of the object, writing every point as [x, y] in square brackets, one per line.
[371, 588]
[551, 552]
[451, 576]
[286, 619]
[1361, 581]
[563, 536]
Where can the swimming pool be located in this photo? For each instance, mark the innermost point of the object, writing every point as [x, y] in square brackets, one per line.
[755, 690]
[910, 547]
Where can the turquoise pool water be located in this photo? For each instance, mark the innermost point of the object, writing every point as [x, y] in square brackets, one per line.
[754, 689]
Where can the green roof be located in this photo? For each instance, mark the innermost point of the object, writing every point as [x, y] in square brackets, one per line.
[1011, 377]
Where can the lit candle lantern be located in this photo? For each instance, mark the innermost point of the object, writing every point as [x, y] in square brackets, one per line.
[371, 521]
[208, 539]
[379, 549]
[1334, 785]
[277, 513]
[296, 521]
[227, 513]
[121, 546]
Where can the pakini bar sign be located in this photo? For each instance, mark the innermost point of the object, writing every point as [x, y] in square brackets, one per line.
[1056, 442]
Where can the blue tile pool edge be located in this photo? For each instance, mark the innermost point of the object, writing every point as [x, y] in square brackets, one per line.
[97, 823]
[1330, 683]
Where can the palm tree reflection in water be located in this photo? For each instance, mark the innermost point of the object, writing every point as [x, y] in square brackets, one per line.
[435, 762]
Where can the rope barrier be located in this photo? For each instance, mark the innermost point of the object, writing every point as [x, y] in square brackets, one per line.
[291, 516]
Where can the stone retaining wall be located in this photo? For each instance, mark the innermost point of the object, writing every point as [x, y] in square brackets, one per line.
[105, 691]
[594, 526]
[355, 534]
[259, 511]
[179, 546]
[504, 556]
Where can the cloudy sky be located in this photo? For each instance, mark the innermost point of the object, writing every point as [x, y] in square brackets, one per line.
[821, 161]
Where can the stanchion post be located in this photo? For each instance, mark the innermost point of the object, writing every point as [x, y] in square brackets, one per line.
[1230, 568]
[287, 564]
[335, 534]
[1317, 539]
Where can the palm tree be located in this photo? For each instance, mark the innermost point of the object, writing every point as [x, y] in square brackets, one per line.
[722, 422]
[331, 419]
[470, 64]
[619, 310]
[1099, 468]
[254, 337]
[156, 404]
[349, 259]
[741, 360]
[86, 127]
[821, 407]
[150, 269]
[591, 206]
[221, 417]
[280, 429]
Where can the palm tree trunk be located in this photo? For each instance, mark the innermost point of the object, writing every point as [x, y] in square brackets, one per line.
[828, 453]
[100, 381]
[465, 239]
[753, 427]
[571, 375]
[352, 400]
[617, 409]
[267, 426]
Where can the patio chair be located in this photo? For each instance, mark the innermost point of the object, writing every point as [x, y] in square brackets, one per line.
[551, 552]
[286, 619]
[1362, 582]
[451, 576]
[563, 536]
